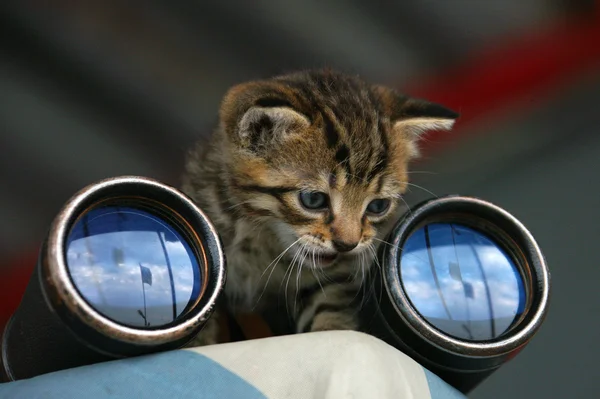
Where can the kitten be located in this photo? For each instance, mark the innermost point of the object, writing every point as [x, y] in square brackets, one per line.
[302, 178]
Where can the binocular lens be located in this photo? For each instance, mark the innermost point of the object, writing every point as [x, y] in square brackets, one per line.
[461, 281]
[133, 266]
[464, 288]
[130, 266]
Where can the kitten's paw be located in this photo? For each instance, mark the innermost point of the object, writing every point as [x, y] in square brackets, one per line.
[333, 322]
[209, 335]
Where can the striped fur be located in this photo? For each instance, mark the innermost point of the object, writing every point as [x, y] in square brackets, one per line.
[311, 131]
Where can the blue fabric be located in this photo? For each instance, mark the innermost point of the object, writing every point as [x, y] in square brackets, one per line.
[170, 375]
[440, 389]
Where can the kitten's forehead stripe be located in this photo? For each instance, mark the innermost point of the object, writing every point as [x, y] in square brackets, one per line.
[331, 134]
[382, 159]
[349, 110]
[380, 183]
[342, 157]
[308, 96]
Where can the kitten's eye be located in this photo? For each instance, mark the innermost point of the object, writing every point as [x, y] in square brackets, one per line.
[313, 200]
[378, 206]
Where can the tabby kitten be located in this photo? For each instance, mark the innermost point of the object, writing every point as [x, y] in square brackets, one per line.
[302, 178]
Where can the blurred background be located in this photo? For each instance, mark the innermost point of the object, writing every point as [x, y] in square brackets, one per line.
[97, 89]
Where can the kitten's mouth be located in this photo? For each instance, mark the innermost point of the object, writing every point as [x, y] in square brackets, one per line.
[327, 259]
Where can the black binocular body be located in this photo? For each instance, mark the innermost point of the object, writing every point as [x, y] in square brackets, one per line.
[89, 300]
[460, 285]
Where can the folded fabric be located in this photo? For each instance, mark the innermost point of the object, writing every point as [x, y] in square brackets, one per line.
[324, 365]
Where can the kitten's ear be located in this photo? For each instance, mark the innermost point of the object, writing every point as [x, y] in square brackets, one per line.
[412, 117]
[261, 127]
[259, 114]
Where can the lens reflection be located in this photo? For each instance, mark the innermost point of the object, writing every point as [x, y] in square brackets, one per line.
[461, 282]
[132, 267]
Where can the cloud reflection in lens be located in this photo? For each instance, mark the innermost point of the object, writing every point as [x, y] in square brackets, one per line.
[461, 282]
[132, 266]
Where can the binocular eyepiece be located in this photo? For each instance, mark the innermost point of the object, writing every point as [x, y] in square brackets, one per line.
[463, 288]
[132, 266]
[129, 266]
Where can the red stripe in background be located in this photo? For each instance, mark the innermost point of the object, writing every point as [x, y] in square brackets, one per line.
[13, 281]
[525, 69]
[522, 72]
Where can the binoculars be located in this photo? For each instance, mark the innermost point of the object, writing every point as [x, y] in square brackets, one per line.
[132, 266]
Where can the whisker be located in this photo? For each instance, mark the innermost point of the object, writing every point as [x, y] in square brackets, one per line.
[291, 270]
[274, 265]
[279, 257]
[236, 205]
[382, 241]
[422, 188]
[298, 275]
[422, 171]
[401, 250]
[376, 261]
[292, 262]
[374, 253]
[405, 203]
[355, 274]
[324, 274]
[316, 273]
[355, 278]
[363, 266]
[371, 286]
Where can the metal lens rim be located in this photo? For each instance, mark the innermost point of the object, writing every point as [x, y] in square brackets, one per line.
[63, 296]
[175, 221]
[524, 250]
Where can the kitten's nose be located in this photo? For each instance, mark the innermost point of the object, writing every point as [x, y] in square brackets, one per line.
[342, 246]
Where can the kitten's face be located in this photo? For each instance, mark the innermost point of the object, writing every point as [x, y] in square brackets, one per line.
[333, 207]
[322, 157]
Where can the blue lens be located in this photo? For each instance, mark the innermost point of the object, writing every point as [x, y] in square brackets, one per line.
[461, 282]
[133, 266]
